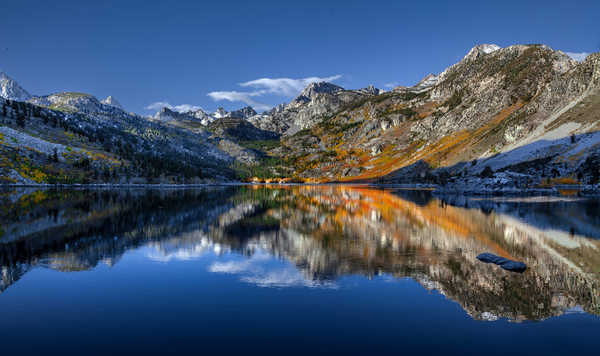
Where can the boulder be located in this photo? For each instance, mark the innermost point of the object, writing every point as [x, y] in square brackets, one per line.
[505, 263]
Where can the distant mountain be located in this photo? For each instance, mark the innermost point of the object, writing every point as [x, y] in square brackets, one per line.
[199, 114]
[239, 129]
[165, 114]
[426, 83]
[242, 113]
[10, 89]
[371, 90]
[220, 113]
[74, 138]
[315, 102]
[72, 102]
[313, 90]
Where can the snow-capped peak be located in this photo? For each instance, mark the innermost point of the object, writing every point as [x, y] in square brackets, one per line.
[489, 48]
[112, 102]
[481, 49]
[10, 89]
[199, 114]
[220, 113]
[429, 80]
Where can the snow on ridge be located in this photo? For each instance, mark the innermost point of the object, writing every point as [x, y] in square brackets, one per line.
[489, 48]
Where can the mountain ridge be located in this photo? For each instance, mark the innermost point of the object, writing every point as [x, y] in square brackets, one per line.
[494, 109]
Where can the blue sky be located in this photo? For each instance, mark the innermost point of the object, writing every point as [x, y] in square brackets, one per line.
[177, 52]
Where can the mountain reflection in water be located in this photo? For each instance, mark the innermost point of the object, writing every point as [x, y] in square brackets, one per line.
[325, 232]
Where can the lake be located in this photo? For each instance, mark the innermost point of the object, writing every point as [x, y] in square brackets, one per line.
[295, 270]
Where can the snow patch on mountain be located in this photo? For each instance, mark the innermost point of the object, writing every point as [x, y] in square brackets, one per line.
[481, 50]
[220, 113]
[199, 114]
[112, 102]
[10, 89]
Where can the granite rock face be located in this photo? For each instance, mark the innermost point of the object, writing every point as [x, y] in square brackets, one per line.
[506, 108]
[242, 113]
[316, 102]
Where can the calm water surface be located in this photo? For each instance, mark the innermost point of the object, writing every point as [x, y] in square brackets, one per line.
[295, 270]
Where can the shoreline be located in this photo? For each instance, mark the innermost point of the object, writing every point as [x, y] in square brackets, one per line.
[559, 190]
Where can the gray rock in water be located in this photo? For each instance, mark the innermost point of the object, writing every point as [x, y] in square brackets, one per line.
[505, 263]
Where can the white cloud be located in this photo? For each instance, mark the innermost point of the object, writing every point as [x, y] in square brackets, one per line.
[579, 57]
[259, 270]
[179, 108]
[268, 86]
[245, 97]
[391, 85]
[286, 86]
[231, 267]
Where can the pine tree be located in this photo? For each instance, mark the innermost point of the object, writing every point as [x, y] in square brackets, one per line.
[55, 156]
[21, 120]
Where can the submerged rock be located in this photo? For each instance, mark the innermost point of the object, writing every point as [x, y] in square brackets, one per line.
[505, 263]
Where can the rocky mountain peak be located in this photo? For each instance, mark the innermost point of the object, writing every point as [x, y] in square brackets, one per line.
[481, 50]
[10, 89]
[199, 114]
[593, 61]
[370, 90]
[429, 81]
[220, 113]
[166, 114]
[70, 101]
[317, 88]
[243, 113]
[166, 110]
[110, 100]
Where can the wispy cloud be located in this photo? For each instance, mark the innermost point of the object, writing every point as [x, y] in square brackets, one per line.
[287, 87]
[180, 108]
[245, 97]
[391, 85]
[579, 57]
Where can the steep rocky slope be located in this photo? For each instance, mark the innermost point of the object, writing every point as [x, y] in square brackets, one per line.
[73, 138]
[497, 107]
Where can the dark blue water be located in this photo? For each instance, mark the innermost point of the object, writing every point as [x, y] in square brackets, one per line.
[286, 271]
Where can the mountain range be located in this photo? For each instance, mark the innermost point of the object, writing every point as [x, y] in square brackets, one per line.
[517, 117]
